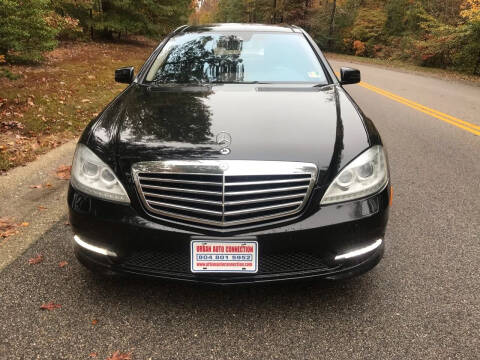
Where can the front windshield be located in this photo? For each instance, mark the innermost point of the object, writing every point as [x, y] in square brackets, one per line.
[236, 57]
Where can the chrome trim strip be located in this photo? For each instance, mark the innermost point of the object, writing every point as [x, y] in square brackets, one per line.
[273, 198]
[264, 208]
[171, 197]
[221, 224]
[181, 207]
[191, 191]
[181, 181]
[223, 199]
[266, 182]
[225, 168]
[263, 191]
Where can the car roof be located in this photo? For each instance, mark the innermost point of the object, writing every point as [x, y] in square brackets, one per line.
[239, 27]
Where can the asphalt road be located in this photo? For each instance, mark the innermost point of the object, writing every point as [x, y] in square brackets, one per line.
[421, 302]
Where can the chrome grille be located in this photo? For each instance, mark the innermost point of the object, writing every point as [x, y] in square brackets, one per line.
[223, 193]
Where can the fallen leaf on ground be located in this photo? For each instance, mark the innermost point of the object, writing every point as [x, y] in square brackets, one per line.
[36, 260]
[24, 224]
[94, 322]
[36, 186]
[85, 100]
[6, 223]
[62, 264]
[7, 227]
[8, 233]
[11, 124]
[63, 172]
[50, 306]
[40, 207]
[117, 355]
[48, 185]
[93, 355]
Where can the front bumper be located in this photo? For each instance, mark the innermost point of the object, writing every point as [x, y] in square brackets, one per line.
[304, 247]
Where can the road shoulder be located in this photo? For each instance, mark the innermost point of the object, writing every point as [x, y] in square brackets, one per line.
[34, 196]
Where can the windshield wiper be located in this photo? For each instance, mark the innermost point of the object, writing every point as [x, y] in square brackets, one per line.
[321, 85]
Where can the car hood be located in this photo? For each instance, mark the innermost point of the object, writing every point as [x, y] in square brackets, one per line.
[271, 122]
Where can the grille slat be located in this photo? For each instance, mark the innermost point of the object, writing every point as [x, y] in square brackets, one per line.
[193, 182]
[266, 182]
[191, 191]
[263, 191]
[222, 193]
[263, 208]
[186, 208]
[180, 198]
[257, 200]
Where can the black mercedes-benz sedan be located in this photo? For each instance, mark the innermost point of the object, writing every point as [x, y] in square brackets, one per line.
[234, 155]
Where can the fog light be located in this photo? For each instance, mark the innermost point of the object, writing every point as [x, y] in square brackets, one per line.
[93, 248]
[360, 251]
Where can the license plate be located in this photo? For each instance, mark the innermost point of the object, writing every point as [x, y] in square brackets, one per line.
[223, 256]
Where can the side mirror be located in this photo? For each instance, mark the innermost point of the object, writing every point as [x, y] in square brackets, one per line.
[124, 75]
[349, 76]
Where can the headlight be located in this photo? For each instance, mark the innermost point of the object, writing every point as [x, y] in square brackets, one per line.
[364, 176]
[93, 177]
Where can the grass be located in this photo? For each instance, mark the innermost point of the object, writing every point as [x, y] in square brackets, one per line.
[51, 103]
[402, 65]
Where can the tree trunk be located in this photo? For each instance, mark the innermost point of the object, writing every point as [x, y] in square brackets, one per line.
[274, 15]
[332, 23]
[477, 65]
[91, 24]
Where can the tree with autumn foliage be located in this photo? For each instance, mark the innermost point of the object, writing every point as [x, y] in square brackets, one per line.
[24, 30]
[28, 28]
[470, 52]
[457, 44]
[440, 33]
[109, 18]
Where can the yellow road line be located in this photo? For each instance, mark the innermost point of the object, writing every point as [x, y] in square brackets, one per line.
[465, 125]
[436, 114]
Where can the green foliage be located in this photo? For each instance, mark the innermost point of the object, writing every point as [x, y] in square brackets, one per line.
[262, 11]
[396, 16]
[445, 45]
[467, 58]
[76, 10]
[319, 26]
[8, 74]
[367, 31]
[28, 28]
[24, 30]
[232, 11]
[103, 18]
[369, 24]
[67, 28]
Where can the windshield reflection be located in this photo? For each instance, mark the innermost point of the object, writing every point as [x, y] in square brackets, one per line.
[241, 57]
